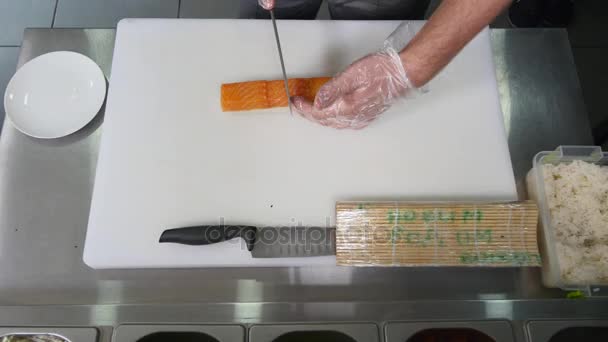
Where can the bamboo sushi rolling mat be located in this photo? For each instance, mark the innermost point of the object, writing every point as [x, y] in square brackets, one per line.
[436, 234]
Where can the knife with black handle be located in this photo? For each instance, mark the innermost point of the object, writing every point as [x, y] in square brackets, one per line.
[267, 242]
[206, 235]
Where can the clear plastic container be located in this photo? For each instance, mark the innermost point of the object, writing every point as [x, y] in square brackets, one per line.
[551, 271]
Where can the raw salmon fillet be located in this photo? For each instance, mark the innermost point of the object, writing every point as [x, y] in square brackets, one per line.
[267, 94]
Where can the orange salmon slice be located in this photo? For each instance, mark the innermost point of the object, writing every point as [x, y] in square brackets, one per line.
[267, 94]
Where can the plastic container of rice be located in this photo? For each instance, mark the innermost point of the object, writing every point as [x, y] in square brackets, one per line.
[570, 187]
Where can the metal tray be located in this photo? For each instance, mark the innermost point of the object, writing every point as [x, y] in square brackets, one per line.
[500, 331]
[542, 331]
[70, 334]
[223, 333]
[364, 332]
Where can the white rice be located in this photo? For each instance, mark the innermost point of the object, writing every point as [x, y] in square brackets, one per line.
[577, 196]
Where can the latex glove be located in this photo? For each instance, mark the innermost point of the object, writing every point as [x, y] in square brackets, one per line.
[360, 93]
[364, 90]
[266, 4]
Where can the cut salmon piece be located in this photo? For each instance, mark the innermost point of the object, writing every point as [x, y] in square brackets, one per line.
[267, 94]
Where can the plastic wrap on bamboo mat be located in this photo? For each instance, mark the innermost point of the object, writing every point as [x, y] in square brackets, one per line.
[436, 234]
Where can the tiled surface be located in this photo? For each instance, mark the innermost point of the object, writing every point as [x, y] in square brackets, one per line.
[8, 64]
[209, 9]
[107, 13]
[15, 15]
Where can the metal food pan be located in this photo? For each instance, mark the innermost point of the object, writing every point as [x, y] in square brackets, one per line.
[349, 332]
[500, 331]
[221, 333]
[84, 334]
[542, 331]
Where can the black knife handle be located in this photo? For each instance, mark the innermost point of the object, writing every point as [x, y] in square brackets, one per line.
[206, 235]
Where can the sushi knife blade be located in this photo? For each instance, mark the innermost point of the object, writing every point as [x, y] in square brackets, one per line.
[276, 36]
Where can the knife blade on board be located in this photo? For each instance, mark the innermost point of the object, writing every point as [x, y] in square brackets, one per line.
[266, 242]
[276, 37]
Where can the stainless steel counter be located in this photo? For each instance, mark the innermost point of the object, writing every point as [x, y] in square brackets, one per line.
[45, 192]
[541, 97]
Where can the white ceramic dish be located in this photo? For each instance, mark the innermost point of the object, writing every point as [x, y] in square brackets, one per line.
[55, 94]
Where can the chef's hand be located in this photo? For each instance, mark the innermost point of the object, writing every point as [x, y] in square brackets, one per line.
[266, 4]
[360, 93]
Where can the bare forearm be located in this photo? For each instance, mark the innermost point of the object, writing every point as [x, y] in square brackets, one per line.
[450, 28]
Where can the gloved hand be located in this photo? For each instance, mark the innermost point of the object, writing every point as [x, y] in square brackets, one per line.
[363, 91]
[266, 4]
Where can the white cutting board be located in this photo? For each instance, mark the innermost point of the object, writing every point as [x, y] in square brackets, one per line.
[170, 157]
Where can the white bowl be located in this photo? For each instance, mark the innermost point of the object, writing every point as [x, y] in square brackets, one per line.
[55, 94]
